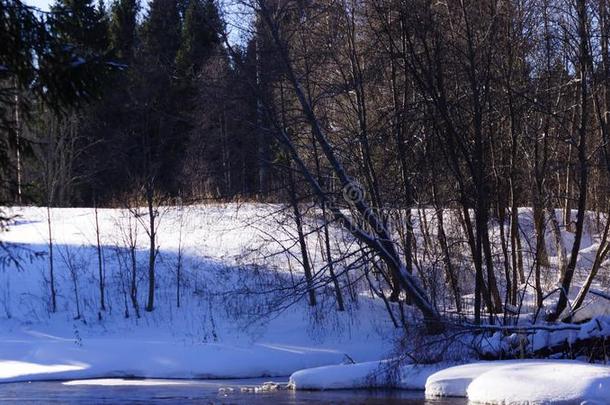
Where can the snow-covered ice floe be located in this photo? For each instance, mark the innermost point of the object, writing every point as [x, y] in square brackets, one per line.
[372, 374]
[524, 382]
[342, 376]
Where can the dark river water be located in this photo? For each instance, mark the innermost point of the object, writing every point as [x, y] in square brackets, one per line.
[199, 392]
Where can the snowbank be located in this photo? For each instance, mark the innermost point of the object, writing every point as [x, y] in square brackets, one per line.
[454, 381]
[343, 376]
[523, 382]
[542, 382]
[372, 374]
[494, 382]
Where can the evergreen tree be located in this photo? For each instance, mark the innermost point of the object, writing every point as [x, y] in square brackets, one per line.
[161, 34]
[200, 34]
[79, 23]
[123, 28]
[51, 59]
[155, 96]
[105, 123]
[38, 52]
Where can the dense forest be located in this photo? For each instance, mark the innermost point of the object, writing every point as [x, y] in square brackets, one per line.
[421, 127]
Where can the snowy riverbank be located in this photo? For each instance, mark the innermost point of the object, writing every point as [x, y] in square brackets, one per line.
[227, 324]
[495, 382]
[233, 319]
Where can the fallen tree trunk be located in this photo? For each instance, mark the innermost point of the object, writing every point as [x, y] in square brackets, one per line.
[590, 339]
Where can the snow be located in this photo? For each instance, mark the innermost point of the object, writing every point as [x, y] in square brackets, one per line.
[221, 332]
[542, 382]
[10, 369]
[342, 376]
[45, 359]
[596, 306]
[492, 382]
[454, 381]
[373, 374]
[544, 335]
[217, 332]
[523, 382]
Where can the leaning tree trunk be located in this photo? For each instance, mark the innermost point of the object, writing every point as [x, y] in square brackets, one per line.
[379, 240]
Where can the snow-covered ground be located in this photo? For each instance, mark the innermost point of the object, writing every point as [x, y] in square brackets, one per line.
[238, 316]
[224, 327]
